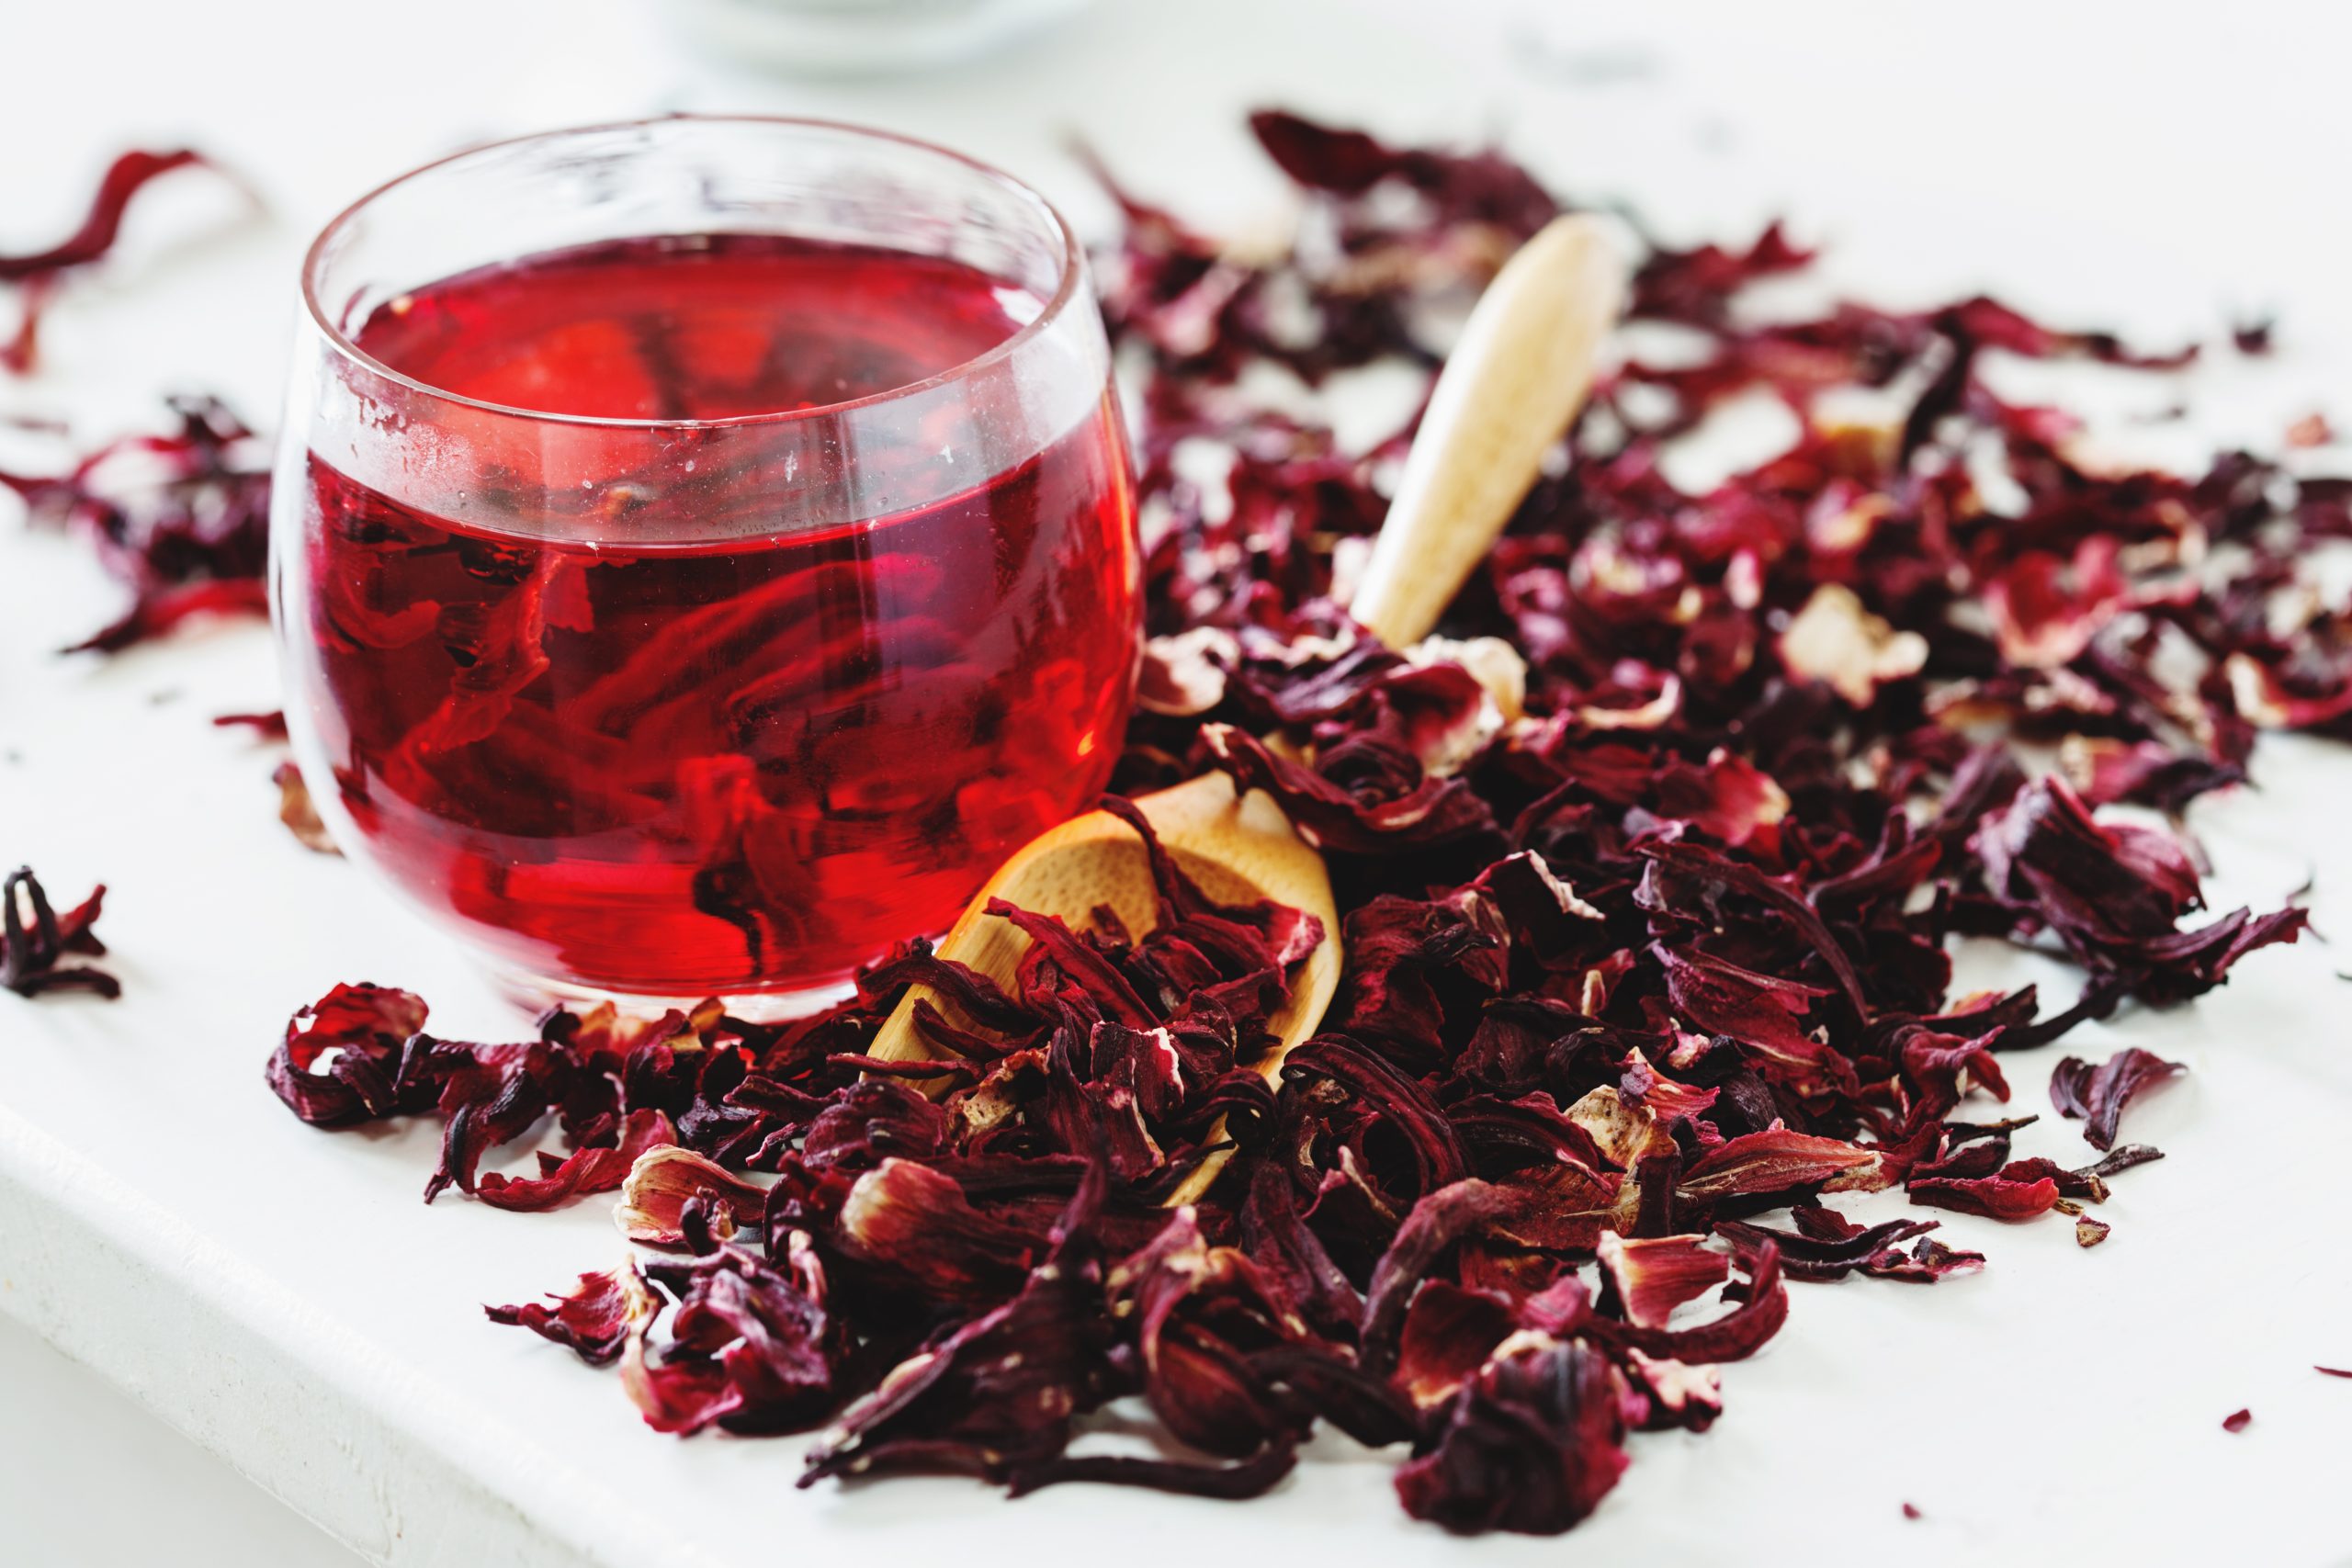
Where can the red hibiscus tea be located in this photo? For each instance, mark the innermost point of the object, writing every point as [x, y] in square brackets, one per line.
[709, 610]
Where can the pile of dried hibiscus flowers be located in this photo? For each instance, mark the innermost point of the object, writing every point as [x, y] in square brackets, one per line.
[1647, 875]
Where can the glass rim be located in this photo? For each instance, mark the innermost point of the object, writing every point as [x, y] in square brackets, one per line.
[1066, 288]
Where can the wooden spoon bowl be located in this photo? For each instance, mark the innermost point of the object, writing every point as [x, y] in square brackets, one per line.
[1238, 850]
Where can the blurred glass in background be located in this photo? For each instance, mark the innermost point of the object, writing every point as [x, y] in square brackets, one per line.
[858, 37]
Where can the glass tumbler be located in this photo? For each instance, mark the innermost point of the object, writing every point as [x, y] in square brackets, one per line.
[703, 549]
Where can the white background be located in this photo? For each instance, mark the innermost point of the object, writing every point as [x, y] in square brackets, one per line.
[2159, 168]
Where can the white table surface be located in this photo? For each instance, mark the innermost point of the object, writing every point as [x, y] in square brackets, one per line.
[280, 1296]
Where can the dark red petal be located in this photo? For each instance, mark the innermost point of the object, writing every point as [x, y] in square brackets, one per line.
[1650, 1277]
[1734, 1337]
[657, 1185]
[95, 235]
[269, 726]
[1253, 1477]
[1531, 1444]
[1449, 1333]
[582, 1172]
[35, 940]
[296, 810]
[910, 1227]
[1775, 1161]
[999, 1392]
[2097, 1095]
[1811, 1253]
[1929, 1261]
[1760, 1012]
[161, 611]
[1437, 1222]
[368, 1028]
[594, 1317]
[1994, 1197]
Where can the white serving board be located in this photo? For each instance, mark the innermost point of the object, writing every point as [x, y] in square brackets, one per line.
[279, 1294]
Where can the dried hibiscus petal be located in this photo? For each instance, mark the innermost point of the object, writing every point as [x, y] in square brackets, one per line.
[365, 1031]
[662, 1178]
[1199, 1311]
[1531, 1443]
[997, 1393]
[1927, 1261]
[297, 811]
[1826, 1247]
[594, 1317]
[1251, 1477]
[1184, 675]
[1736, 1335]
[37, 272]
[2142, 773]
[586, 1170]
[752, 1346]
[35, 940]
[269, 726]
[2097, 1095]
[95, 234]
[1761, 1012]
[161, 610]
[2116, 895]
[1997, 1197]
[1449, 1332]
[1664, 1394]
[910, 1227]
[1366, 795]
[182, 519]
[1437, 1222]
[1648, 1278]
[490, 1095]
[1294, 1259]
[1777, 1161]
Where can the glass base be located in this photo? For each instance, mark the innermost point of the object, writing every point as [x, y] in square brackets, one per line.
[534, 994]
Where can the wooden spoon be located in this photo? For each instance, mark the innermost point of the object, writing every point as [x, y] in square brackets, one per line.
[1526, 359]
[1522, 370]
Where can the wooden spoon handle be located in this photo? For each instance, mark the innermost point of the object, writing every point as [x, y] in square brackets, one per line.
[1510, 389]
